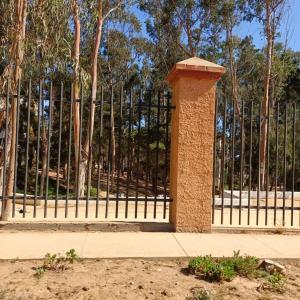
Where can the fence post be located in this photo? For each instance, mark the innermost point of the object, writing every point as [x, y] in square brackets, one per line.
[193, 83]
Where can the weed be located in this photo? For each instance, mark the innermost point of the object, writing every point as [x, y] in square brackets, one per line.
[72, 256]
[244, 266]
[276, 281]
[39, 272]
[56, 262]
[224, 269]
[199, 294]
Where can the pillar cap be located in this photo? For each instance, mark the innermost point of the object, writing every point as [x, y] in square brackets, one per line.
[196, 67]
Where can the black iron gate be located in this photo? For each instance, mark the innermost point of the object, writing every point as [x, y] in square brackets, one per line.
[126, 161]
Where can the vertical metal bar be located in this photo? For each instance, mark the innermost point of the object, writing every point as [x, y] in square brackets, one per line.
[79, 152]
[258, 177]
[284, 163]
[276, 164]
[214, 163]
[38, 147]
[128, 153]
[27, 146]
[267, 165]
[223, 156]
[100, 149]
[4, 196]
[59, 148]
[250, 162]
[293, 162]
[232, 162]
[109, 156]
[157, 154]
[48, 149]
[241, 162]
[138, 154]
[166, 154]
[69, 151]
[147, 156]
[89, 175]
[120, 150]
[16, 147]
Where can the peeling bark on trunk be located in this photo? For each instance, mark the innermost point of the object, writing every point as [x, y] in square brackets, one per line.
[76, 85]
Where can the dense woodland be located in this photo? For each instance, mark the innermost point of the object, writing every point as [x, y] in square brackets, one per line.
[126, 48]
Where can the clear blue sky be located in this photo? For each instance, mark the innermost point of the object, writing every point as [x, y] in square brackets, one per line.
[290, 24]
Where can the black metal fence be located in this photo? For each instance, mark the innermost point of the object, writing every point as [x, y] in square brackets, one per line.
[127, 159]
[249, 188]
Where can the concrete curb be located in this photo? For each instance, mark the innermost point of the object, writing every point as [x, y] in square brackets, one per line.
[87, 226]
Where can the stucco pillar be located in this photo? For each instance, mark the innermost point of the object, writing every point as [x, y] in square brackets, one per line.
[193, 83]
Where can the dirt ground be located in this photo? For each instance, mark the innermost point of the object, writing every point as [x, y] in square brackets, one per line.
[131, 279]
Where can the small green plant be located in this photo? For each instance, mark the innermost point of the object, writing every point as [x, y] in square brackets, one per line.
[276, 280]
[273, 282]
[56, 262]
[93, 191]
[72, 256]
[199, 294]
[39, 272]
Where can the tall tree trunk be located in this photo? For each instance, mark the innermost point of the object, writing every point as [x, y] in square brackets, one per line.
[113, 149]
[265, 104]
[232, 66]
[14, 72]
[86, 149]
[76, 85]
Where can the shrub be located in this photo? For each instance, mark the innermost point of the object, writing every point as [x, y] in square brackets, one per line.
[276, 280]
[224, 269]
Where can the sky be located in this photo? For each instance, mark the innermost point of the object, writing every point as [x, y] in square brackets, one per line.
[290, 24]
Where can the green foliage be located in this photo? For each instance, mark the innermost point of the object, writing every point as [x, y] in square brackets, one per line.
[276, 280]
[93, 191]
[56, 262]
[39, 272]
[71, 256]
[224, 269]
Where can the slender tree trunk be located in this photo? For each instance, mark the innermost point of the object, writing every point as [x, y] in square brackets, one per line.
[232, 67]
[113, 149]
[265, 104]
[86, 149]
[76, 85]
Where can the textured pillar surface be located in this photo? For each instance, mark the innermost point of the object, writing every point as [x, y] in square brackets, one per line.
[193, 83]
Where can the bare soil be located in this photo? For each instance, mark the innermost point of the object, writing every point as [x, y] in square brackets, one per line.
[132, 279]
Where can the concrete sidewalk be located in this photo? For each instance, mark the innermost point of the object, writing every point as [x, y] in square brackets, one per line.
[30, 245]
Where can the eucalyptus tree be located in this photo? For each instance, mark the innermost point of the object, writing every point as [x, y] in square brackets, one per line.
[180, 29]
[95, 14]
[17, 13]
[270, 14]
